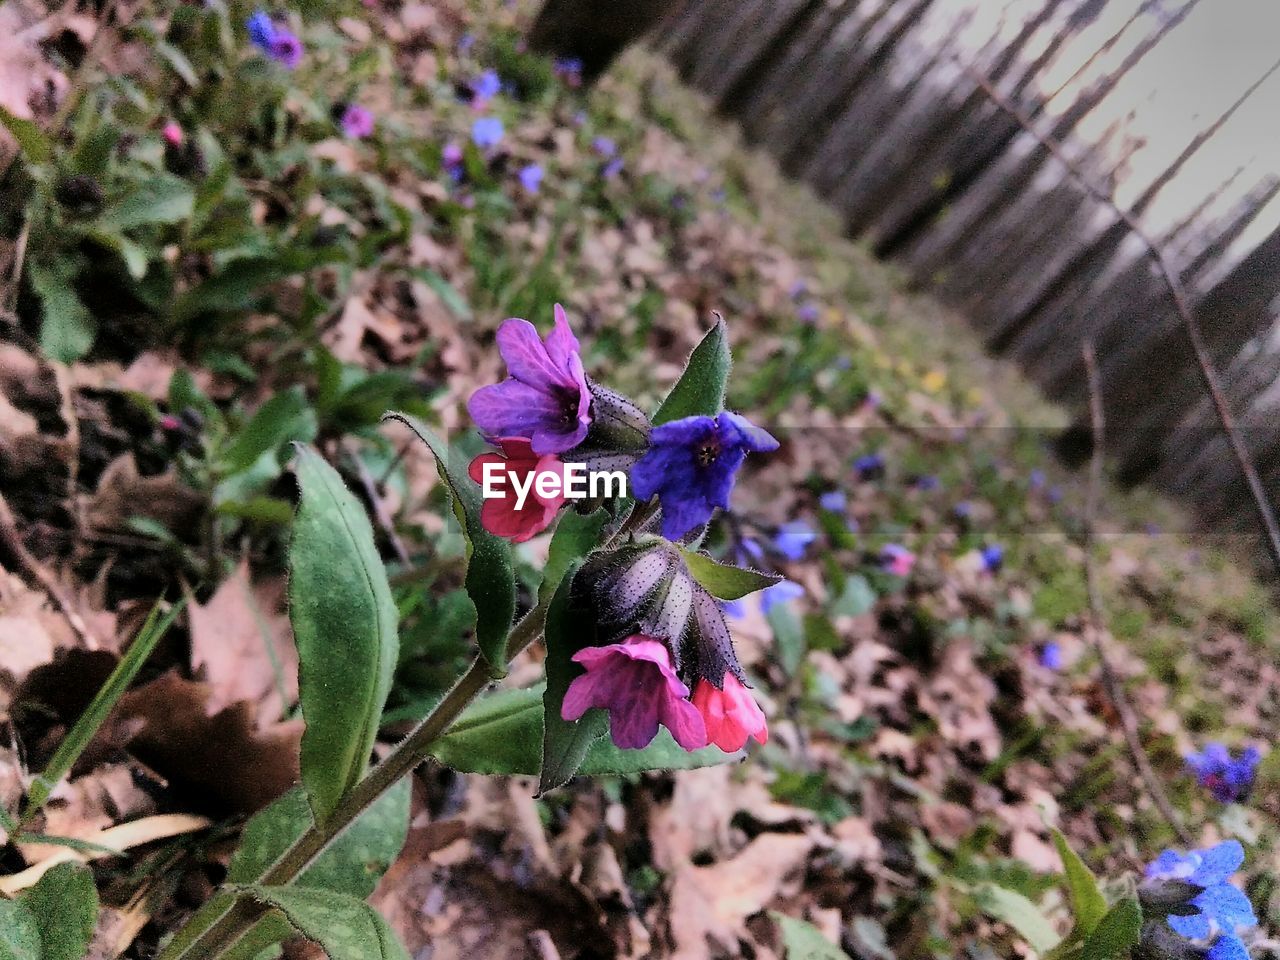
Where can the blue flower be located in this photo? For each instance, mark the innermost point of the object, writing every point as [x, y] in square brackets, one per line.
[1051, 656]
[1227, 779]
[927, 482]
[792, 539]
[808, 313]
[1192, 890]
[993, 557]
[963, 510]
[262, 31]
[869, 466]
[486, 86]
[833, 500]
[691, 464]
[604, 147]
[784, 591]
[733, 609]
[531, 177]
[1036, 479]
[486, 132]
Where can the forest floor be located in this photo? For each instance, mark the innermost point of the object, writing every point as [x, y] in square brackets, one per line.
[926, 731]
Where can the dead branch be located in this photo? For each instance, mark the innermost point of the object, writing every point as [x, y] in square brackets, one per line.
[1177, 293]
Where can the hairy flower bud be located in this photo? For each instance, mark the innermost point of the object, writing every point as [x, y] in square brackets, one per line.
[646, 588]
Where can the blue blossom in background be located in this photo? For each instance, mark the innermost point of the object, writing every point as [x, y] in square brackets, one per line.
[733, 609]
[869, 466]
[992, 557]
[604, 147]
[927, 482]
[466, 42]
[1227, 779]
[793, 539]
[783, 591]
[808, 312]
[691, 465]
[568, 69]
[1035, 480]
[1051, 656]
[612, 168]
[833, 500]
[486, 86]
[486, 132]
[531, 177]
[275, 40]
[1192, 891]
[963, 510]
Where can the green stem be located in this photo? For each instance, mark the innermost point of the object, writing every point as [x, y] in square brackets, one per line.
[222, 932]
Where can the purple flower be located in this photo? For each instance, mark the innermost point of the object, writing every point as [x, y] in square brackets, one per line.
[798, 289]
[486, 132]
[531, 177]
[356, 122]
[275, 40]
[808, 313]
[568, 69]
[485, 87]
[897, 559]
[927, 482]
[1051, 656]
[792, 539]
[545, 397]
[750, 552]
[963, 510]
[869, 466]
[635, 681]
[784, 591]
[466, 42]
[612, 168]
[992, 557]
[691, 464]
[604, 147]
[834, 501]
[733, 609]
[1035, 480]
[1192, 891]
[1227, 780]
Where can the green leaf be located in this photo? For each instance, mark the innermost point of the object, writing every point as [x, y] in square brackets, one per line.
[575, 536]
[346, 927]
[286, 416]
[490, 580]
[725, 581]
[178, 60]
[19, 931]
[159, 199]
[67, 329]
[564, 743]
[31, 139]
[65, 905]
[804, 941]
[86, 726]
[788, 635]
[344, 622]
[1116, 933]
[1011, 907]
[352, 864]
[855, 599]
[1087, 902]
[502, 734]
[701, 388]
[447, 292]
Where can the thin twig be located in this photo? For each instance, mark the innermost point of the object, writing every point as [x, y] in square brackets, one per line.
[15, 275]
[11, 541]
[1266, 514]
[1097, 618]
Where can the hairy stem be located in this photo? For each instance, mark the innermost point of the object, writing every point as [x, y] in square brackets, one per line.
[222, 932]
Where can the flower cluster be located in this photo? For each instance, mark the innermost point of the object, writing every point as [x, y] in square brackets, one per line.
[275, 40]
[1227, 779]
[662, 654]
[1190, 891]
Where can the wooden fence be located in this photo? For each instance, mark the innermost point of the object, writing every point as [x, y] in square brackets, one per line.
[891, 110]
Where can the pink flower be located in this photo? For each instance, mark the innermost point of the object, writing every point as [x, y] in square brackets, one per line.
[172, 134]
[545, 397]
[357, 122]
[500, 515]
[635, 681]
[897, 559]
[730, 715]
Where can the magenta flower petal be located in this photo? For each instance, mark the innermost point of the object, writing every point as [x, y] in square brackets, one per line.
[635, 682]
[528, 359]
